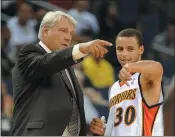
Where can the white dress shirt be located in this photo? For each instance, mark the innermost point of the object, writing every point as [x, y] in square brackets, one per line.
[76, 54]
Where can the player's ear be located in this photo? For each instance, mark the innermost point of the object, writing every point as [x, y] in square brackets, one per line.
[141, 50]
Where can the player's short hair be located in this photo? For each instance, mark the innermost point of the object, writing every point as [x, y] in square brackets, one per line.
[132, 33]
[52, 17]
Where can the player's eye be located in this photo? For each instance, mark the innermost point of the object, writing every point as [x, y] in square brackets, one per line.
[130, 49]
[120, 49]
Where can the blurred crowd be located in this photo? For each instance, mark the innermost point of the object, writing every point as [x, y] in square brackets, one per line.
[96, 19]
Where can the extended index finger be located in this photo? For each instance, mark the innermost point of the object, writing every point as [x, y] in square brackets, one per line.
[105, 43]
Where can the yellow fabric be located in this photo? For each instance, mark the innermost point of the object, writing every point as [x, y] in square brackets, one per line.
[101, 75]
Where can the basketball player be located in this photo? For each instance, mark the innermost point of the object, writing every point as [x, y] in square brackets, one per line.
[136, 99]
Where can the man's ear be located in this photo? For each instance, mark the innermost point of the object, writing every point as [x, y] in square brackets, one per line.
[45, 31]
[141, 49]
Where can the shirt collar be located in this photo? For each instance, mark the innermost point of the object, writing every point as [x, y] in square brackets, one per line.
[45, 47]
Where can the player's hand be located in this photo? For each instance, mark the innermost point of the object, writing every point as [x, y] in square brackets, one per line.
[124, 75]
[97, 127]
[95, 47]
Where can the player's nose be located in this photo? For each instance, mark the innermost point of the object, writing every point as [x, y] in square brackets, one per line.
[124, 53]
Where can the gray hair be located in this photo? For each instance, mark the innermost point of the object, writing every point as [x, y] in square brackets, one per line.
[51, 18]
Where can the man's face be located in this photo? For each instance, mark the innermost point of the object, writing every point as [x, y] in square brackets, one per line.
[60, 35]
[128, 50]
[83, 5]
[25, 12]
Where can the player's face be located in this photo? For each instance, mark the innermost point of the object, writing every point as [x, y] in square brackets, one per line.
[128, 50]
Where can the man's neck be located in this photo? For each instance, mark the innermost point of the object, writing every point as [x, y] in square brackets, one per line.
[43, 45]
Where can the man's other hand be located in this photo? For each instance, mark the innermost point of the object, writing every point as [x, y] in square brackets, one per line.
[97, 127]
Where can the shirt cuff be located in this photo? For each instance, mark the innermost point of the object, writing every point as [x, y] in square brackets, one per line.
[76, 54]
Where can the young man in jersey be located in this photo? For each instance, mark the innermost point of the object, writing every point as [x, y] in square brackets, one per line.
[136, 99]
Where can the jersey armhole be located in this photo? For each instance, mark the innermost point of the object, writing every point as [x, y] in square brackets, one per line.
[143, 99]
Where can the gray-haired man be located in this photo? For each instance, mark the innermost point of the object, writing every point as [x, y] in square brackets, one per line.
[48, 98]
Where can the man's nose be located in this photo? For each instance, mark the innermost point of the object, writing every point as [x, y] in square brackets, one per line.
[68, 38]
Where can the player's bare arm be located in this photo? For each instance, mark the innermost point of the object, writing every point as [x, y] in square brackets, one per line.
[150, 79]
[151, 71]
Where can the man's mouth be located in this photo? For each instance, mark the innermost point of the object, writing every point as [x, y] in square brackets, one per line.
[65, 45]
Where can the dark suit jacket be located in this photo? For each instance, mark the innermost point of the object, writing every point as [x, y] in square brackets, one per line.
[43, 99]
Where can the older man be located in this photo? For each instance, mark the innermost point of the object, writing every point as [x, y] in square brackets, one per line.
[48, 98]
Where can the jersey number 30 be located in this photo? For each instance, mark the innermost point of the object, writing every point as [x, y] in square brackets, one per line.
[128, 116]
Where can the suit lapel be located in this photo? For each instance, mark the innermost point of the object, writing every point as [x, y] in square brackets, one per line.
[76, 86]
[67, 82]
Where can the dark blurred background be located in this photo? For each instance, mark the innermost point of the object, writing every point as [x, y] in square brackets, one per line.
[102, 19]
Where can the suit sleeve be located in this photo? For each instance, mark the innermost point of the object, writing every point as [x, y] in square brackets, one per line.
[33, 64]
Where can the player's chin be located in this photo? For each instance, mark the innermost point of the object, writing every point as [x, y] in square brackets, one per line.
[122, 63]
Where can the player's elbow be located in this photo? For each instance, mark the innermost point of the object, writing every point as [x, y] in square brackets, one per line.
[158, 68]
